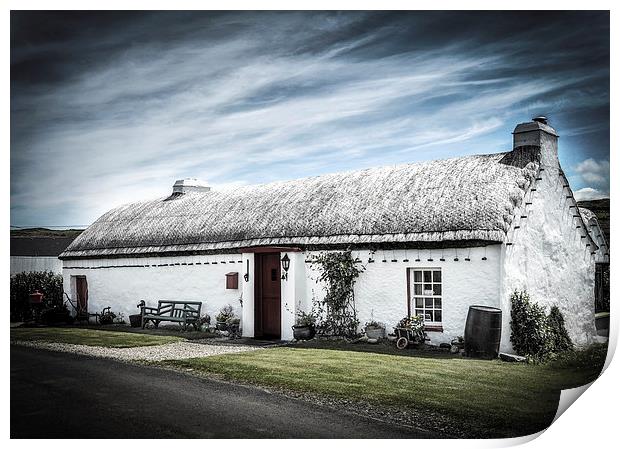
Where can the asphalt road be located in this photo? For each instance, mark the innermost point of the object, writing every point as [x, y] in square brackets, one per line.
[61, 395]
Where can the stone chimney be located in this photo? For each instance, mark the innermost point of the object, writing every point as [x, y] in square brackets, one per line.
[538, 133]
[190, 185]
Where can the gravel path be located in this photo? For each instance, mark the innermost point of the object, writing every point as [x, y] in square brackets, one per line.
[181, 350]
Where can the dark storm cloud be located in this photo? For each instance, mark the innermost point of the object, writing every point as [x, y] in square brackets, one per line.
[108, 107]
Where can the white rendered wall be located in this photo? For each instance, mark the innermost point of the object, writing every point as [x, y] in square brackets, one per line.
[195, 278]
[292, 290]
[381, 290]
[247, 320]
[550, 260]
[21, 264]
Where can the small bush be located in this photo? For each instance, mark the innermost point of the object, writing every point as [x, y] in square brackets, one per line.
[226, 313]
[374, 324]
[528, 326]
[591, 357]
[204, 320]
[558, 340]
[535, 334]
[305, 318]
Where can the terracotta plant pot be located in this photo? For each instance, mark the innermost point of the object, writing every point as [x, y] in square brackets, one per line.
[303, 332]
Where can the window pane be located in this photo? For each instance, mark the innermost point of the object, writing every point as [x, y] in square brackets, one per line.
[428, 316]
[419, 302]
[438, 316]
[428, 289]
[436, 276]
[438, 303]
[428, 303]
[417, 276]
[419, 312]
[427, 276]
[417, 289]
[437, 289]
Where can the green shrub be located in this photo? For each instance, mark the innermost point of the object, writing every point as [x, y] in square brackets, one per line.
[226, 313]
[583, 359]
[528, 326]
[22, 284]
[558, 340]
[535, 334]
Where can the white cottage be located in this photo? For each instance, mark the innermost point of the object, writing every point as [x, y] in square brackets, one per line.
[435, 238]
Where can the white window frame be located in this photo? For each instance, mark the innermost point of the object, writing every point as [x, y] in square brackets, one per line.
[434, 294]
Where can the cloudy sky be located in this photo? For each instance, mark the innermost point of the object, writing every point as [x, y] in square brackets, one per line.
[108, 108]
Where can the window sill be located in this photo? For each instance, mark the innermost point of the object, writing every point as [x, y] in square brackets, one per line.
[433, 328]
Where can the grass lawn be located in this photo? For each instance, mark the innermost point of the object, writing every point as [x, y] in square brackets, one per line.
[481, 398]
[90, 337]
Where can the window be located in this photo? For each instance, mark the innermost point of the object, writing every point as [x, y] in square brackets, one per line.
[425, 292]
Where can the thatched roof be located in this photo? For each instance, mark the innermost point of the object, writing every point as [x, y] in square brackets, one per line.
[39, 246]
[600, 209]
[459, 199]
[593, 226]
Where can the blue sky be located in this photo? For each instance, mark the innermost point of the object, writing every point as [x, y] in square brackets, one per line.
[108, 108]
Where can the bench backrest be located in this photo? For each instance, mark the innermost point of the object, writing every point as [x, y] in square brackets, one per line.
[177, 308]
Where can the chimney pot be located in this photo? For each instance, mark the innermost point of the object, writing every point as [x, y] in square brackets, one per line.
[541, 119]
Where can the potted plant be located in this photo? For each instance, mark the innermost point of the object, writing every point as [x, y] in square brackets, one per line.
[457, 345]
[375, 330]
[204, 322]
[226, 313]
[233, 325]
[305, 326]
[107, 316]
[410, 330]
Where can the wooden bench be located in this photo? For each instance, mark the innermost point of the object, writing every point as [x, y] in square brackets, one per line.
[182, 312]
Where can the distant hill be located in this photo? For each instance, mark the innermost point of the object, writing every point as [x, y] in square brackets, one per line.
[44, 232]
[601, 210]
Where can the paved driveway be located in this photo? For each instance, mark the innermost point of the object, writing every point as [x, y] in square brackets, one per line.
[64, 395]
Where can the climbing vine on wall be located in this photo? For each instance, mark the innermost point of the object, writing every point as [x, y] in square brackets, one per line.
[338, 273]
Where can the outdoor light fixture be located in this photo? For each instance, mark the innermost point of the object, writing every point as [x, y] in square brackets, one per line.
[246, 276]
[286, 264]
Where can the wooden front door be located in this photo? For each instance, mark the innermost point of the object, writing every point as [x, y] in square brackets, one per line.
[81, 290]
[267, 295]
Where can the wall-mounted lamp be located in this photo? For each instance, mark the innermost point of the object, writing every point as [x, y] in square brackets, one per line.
[286, 264]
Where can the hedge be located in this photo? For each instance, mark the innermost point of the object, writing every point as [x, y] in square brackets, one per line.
[22, 284]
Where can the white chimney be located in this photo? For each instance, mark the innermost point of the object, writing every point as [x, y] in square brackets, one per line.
[538, 133]
[190, 185]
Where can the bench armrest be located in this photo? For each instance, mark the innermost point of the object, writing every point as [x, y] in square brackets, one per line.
[152, 310]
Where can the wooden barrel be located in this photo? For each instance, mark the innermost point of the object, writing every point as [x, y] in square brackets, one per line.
[483, 332]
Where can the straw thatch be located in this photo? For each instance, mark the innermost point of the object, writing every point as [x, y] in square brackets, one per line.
[593, 226]
[587, 214]
[467, 198]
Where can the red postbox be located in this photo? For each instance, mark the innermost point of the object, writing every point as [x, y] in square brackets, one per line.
[36, 297]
